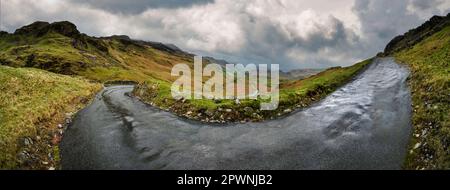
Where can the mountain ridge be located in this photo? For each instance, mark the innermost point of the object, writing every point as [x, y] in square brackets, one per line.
[416, 35]
[59, 47]
[67, 28]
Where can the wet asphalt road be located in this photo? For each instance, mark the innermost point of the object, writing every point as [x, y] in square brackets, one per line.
[363, 125]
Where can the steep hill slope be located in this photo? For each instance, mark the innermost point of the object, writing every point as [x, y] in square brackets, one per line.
[426, 50]
[416, 35]
[33, 103]
[59, 47]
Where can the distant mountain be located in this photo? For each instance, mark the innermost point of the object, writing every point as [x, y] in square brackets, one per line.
[299, 73]
[217, 61]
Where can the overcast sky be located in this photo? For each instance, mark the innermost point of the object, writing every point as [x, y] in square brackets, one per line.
[293, 33]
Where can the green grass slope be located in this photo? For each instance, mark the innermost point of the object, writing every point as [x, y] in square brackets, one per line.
[429, 62]
[32, 103]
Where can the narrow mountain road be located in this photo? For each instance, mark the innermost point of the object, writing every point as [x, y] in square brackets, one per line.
[363, 125]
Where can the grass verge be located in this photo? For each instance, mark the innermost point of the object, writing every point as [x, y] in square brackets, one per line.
[429, 62]
[33, 103]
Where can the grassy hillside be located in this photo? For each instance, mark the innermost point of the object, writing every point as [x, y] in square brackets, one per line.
[59, 47]
[32, 104]
[429, 62]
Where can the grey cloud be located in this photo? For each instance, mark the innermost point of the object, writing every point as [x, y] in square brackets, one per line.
[138, 6]
[267, 41]
[381, 20]
[269, 44]
[424, 5]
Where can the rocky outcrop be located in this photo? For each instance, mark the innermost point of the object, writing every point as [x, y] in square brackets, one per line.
[414, 36]
[65, 28]
[3, 33]
[40, 28]
[34, 28]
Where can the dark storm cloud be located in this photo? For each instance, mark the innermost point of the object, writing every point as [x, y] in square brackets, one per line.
[381, 20]
[138, 6]
[424, 5]
[270, 43]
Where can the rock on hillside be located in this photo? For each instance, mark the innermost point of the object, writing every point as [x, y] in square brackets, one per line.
[40, 28]
[414, 36]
